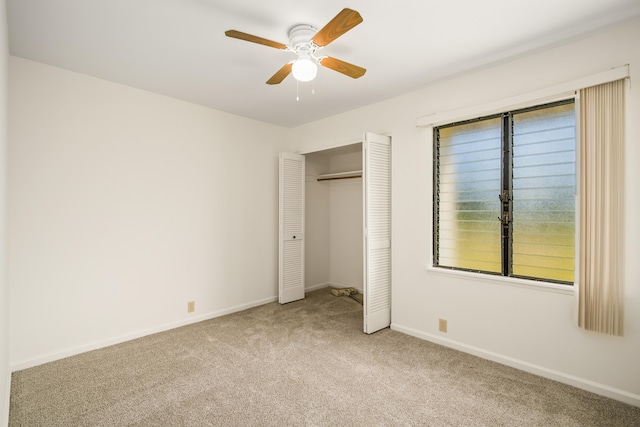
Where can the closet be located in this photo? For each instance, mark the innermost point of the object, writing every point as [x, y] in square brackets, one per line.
[335, 224]
[333, 218]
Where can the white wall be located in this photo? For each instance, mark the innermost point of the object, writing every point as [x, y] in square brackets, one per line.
[333, 227]
[345, 213]
[527, 327]
[5, 374]
[123, 206]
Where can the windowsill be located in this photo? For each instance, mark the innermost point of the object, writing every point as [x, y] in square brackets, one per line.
[508, 281]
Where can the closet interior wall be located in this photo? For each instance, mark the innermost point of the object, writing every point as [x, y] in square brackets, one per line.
[333, 221]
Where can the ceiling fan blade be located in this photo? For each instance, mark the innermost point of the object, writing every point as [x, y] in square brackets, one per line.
[342, 67]
[280, 75]
[254, 39]
[340, 24]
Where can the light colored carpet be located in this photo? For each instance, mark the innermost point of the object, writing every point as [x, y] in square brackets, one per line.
[304, 363]
[358, 297]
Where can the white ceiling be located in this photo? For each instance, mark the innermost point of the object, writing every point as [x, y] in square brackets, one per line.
[178, 47]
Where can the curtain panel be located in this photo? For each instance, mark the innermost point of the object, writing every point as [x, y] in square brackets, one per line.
[600, 279]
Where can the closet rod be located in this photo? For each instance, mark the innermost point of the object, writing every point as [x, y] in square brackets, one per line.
[338, 177]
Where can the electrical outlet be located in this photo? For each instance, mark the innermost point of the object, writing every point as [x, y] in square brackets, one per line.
[442, 325]
[191, 306]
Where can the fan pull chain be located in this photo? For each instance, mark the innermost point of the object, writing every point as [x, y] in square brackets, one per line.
[313, 90]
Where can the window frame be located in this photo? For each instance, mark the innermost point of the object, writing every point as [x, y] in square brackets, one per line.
[506, 162]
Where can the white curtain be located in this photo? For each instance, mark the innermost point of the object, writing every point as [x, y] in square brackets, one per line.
[600, 281]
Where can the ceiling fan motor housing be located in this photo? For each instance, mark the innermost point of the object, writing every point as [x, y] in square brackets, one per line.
[300, 37]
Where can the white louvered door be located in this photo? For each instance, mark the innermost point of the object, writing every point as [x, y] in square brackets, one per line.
[376, 163]
[291, 247]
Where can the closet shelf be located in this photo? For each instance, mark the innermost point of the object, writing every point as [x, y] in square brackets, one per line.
[339, 175]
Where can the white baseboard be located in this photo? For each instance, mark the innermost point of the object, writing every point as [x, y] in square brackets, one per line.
[342, 285]
[128, 337]
[582, 383]
[331, 284]
[316, 287]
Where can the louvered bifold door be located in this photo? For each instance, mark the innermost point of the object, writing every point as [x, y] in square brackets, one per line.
[376, 164]
[291, 268]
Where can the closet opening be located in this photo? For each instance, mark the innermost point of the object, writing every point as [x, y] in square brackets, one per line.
[334, 221]
[335, 225]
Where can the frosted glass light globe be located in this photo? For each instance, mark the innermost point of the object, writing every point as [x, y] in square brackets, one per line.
[304, 70]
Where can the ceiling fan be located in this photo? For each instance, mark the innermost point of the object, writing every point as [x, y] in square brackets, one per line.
[305, 40]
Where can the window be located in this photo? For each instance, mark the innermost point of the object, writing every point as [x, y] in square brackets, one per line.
[504, 194]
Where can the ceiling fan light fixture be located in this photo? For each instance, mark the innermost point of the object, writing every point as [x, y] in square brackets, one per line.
[305, 40]
[304, 69]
